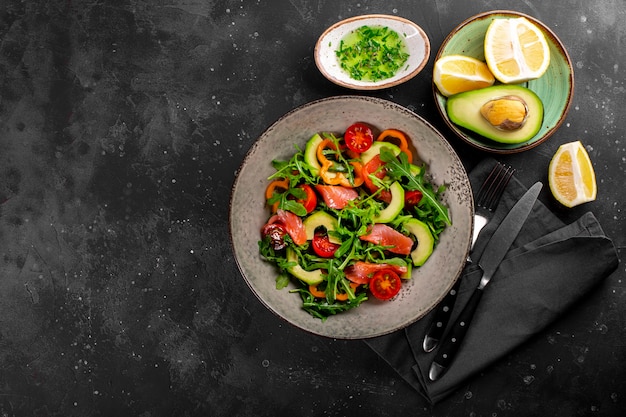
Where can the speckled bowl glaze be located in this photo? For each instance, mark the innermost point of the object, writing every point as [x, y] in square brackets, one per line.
[415, 38]
[555, 87]
[248, 213]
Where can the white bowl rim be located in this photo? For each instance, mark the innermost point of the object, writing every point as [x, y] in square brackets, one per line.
[341, 78]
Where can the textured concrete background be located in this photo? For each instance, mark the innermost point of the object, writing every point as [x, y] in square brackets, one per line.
[122, 125]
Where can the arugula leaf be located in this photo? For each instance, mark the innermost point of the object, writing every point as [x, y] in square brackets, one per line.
[322, 309]
[295, 169]
[282, 280]
[399, 167]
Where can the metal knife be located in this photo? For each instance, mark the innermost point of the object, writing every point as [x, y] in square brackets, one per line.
[487, 200]
[492, 256]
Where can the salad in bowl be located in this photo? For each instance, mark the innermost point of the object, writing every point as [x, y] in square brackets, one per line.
[283, 181]
[351, 216]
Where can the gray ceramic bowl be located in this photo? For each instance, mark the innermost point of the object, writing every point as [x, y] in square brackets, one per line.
[555, 87]
[429, 283]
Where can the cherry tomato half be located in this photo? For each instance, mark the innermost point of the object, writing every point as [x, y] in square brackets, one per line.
[385, 284]
[322, 245]
[359, 137]
[376, 167]
[275, 232]
[412, 199]
[310, 201]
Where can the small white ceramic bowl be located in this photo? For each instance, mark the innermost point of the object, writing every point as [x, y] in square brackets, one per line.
[415, 39]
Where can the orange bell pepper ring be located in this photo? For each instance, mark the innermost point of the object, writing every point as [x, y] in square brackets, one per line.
[272, 187]
[401, 139]
[344, 296]
[328, 177]
[358, 174]
[322, 294]
[315, 292]
[336, 178]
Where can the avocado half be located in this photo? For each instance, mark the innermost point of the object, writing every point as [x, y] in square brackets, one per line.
[464, 109]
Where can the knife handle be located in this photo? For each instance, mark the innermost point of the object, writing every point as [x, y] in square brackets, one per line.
[440, 320]
[454, 339]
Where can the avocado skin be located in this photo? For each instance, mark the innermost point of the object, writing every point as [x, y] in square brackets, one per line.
[425, 241]
[310, 153]
[375, 150]
[464, 110]
[394, 207]
[310, 277]
[321, 218]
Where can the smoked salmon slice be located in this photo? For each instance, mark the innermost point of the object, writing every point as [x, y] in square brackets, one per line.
[396, 242]
[361, 272]
[293, 224]
[336, 196]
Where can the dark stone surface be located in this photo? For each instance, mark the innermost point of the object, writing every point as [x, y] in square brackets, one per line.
[122, 125]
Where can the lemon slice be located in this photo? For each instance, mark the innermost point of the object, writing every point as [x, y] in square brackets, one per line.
[571, 176]
[516, 50]
[454, 74]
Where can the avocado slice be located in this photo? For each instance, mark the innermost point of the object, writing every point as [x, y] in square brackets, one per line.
[310, 153]
[425, 241]
[464, 109]
[310, 277]
[415, 170]
[323, 219]
[375, 150]
[394, 207]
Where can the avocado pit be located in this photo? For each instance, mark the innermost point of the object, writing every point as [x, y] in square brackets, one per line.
[506, 113]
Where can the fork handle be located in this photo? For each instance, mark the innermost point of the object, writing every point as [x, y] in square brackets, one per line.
[444, 309]
[441, 318]
[450, 346]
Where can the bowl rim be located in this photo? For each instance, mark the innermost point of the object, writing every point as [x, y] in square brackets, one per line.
[378, 85]
[385, 102]
[556, 43]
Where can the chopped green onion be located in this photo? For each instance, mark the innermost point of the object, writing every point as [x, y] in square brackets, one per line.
[372, 53]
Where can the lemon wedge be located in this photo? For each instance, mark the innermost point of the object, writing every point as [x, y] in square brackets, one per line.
[454, 74]
[571, 176]
[516, 50]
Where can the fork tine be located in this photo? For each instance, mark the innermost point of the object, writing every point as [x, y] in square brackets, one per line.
[494, 185]
[488, 184]
[499, 189]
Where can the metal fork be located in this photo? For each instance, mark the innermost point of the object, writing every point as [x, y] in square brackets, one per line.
[489, 196]
[487, 200]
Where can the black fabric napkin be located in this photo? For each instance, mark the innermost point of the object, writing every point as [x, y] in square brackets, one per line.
[549, 267]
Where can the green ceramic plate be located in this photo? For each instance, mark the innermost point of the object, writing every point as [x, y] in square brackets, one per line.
[555, 87]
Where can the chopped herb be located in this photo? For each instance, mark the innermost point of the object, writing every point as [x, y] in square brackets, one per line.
[372, 53]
